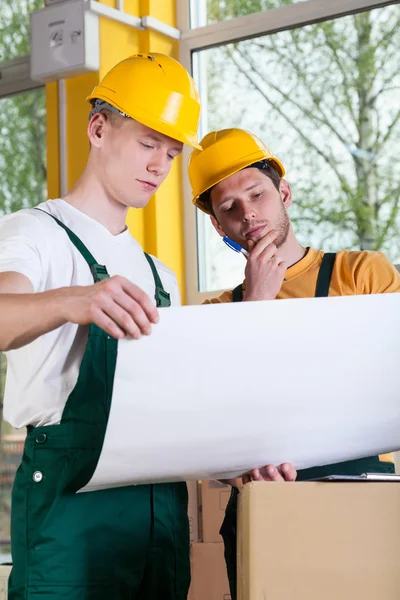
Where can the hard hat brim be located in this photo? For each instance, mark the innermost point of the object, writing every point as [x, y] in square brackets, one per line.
[159, 125]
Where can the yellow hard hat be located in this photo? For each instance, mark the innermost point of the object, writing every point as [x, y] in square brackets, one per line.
[222, 154]
[155, 90]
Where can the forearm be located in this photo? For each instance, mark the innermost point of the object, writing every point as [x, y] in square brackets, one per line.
[25, 317]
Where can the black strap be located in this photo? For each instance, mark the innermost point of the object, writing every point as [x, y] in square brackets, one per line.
[98, 271]
[163, 299]
[323, 281]
[237, 293]
[325, 275]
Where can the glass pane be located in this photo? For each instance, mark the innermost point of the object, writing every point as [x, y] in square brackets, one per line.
[14, 27]
[22, 184]
[22, 150]
[325, 98]
[206, 12]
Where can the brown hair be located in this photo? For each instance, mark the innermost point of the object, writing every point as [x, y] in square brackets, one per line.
[112, 117]
[263, 165]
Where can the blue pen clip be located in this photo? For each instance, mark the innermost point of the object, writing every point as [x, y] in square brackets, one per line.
[234, 246]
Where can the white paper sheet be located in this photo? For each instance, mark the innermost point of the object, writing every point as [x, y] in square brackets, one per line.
[219, 389]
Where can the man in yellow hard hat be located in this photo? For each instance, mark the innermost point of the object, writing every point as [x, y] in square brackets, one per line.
[240, 184]
[73, 282]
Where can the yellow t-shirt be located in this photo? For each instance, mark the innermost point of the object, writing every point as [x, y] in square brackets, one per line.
[354, 273]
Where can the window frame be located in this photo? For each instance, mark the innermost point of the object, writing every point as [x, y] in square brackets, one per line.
[267, 22]
[15, 77]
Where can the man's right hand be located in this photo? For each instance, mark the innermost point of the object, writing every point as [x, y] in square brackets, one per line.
[265, 269]
[115, 304]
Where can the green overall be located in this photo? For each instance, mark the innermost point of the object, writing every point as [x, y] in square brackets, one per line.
[370, 464]
[127, 543]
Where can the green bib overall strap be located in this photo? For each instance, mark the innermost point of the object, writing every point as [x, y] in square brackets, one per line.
[162, 297]
[98, 363]
[325, 275]
[237, 293]
[99, 272]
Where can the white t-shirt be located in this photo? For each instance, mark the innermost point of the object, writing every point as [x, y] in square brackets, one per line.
[41, 375]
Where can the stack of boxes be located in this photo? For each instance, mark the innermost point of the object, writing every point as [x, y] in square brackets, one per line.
[207, 503]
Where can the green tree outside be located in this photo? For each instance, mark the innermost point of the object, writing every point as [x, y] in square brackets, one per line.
[325, 97]
[22, 119]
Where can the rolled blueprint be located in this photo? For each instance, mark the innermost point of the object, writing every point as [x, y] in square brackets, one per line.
[219, 389]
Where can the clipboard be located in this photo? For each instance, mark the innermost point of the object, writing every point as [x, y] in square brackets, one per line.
[376, 477]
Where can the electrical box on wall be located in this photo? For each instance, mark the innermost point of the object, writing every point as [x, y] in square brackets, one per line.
[64, 41]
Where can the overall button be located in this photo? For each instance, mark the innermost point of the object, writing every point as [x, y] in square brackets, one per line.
[37, 476]
[41, 438]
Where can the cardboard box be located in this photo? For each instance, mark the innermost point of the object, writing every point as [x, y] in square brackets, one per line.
[4, 574]
[193, 511]
[213, 499]
[314, 541]
[209, 578]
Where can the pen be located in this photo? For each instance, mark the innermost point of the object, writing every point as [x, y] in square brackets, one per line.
[236, 247]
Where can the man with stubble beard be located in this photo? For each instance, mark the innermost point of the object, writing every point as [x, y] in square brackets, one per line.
[240, 184]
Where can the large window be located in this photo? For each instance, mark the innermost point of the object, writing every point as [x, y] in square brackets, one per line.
[22, 150]
[325, 97]
[22, 184]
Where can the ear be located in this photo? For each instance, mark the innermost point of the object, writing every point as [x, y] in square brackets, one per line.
[96, 128]
[286, 193]
[217, 226]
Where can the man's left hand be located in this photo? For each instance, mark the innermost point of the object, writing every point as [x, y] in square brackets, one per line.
[285, 472]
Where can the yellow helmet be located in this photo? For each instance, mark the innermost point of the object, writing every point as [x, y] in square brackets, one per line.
[155, 90]
[222, 154]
